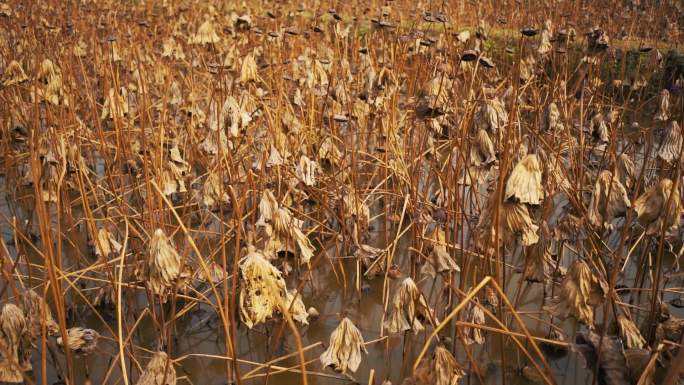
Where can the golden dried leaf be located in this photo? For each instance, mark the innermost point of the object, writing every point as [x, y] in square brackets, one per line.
[81, 340]
[14, 74]
[296, 307]
[580, 291]
[163, 264]
[408, 309]
[38, 315]
[651, 207]
[603, 208]
[159, 371]
[13, 337]
[671, 144]
[262, 290]
[344, 350]
[524, 184]
[631, 336]
[206, 34]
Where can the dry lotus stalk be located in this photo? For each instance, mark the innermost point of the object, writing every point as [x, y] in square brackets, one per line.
[106, 244]
[474, 315]
[81, 340]
[604, 208]
[663, 113]
[14, 74]
[159, 371]
[344, 351]
[441, 369]
[163, 264]
[651, 207]
[524, 184]
[13, 337]
[580, 292]
[262, 288]
[206, 34]
[368, 255]
[631, 336]
[671, 144]
[296, 307]
[408, 307]
[38, 315]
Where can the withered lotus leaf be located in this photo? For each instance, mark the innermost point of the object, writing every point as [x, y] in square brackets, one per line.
[80, 340]
[38, 315]
[206, 34]
[580, 291]
[163, 264]
[609, 199]
[407, 308]
[262, 289]
[607, 353]
[344, 350]
[663, 112]
[524, 184]
[440, 369]
[473, 335]
[671, 144]
[631, 336]
[295, 305]
[159, 371]
[652, 207]
[13, 336]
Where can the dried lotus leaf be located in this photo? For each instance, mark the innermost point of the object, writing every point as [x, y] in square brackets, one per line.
[408, 308]
[609, 199]
[671, 144]
[296, 307]
[38, 315]
[206, 34]
[159, 371]
[80, 340]
[162, 265]
[631, 336]
[262, 290]
[580, 291]
[651, 207]
[344, 350]
[524, 184]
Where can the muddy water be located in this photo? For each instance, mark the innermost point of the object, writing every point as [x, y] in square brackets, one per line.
[199, 331]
